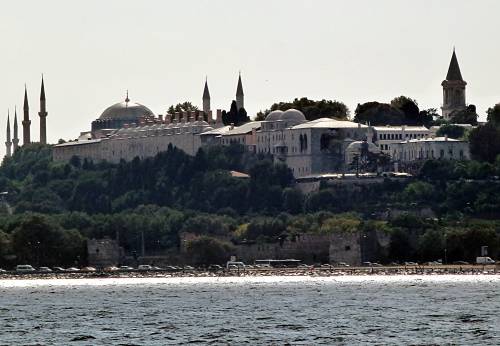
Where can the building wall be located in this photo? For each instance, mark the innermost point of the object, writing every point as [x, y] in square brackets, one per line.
[387, 135]
[103, 252]
[445, 149]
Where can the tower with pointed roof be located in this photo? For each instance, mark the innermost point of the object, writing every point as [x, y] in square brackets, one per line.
[26, 119]
[453, 89]
[206, 98]
[43, 115]
[8, 142]
[15, 139]
[239, 94]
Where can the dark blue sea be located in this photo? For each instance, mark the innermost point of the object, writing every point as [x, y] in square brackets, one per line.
[349, 310]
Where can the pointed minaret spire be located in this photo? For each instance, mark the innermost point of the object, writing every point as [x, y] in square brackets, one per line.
[206, 98]
[454, 69]
[239, 94]
[15, 139]
[8, 142]
[26, 119]
[43, 115]
[453, 89]
[127, 100]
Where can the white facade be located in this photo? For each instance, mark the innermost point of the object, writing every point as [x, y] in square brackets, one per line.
[387, 135]
[441, 148]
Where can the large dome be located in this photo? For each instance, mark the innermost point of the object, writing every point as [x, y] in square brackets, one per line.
[293, 115]
[126, 111]
[274, 115]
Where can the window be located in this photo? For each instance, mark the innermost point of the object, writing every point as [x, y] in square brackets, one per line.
[441, 153]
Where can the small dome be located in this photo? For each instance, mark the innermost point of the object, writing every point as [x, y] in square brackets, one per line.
[293, 115]
[126, 111]
[357, 146]
[274, 115]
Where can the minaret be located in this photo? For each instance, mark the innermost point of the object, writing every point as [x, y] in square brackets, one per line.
[26, 119]
[43, 115]
[8, 143]
[15, 140]
[239, 94]
[206, 98]
[453, 89]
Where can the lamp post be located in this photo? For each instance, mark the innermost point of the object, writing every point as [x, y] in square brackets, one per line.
[38, 254]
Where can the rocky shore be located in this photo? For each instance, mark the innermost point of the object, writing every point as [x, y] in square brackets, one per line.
[332, 271]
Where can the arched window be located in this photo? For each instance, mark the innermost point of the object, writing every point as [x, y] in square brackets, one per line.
[305, 142]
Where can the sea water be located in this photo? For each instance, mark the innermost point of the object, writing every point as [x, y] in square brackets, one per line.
[350, 310]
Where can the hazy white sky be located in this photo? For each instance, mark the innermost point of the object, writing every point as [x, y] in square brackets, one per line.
[354, 51]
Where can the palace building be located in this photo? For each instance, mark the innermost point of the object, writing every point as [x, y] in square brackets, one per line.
[128, 129]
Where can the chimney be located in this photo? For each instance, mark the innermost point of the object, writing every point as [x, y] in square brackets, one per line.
[185, 117]
[210, 119]
[201, 117]
[218, 121]
[160, 117]
[125, 126]
[168, 119]
[446, 137]
[231, 126]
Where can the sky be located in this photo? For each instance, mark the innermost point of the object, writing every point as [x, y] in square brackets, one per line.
[91, 51]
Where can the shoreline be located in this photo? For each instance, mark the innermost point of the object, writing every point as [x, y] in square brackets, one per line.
[313, 272]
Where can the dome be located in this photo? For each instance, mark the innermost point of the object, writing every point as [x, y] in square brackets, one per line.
[126, 111]
[274, 115]
[293, 115]
[357, 146]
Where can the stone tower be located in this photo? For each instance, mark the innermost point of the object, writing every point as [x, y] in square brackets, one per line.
[26, 119]
[15, 139]
[206, 98]
[453, 89]
[43, 115]
[239, 94]
[8, 142]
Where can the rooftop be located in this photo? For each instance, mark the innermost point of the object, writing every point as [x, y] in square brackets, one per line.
[328, 123]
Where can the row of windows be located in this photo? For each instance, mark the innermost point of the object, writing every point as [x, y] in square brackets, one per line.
[302, 170]
[239, 140]
[389, 136]
[414, 154]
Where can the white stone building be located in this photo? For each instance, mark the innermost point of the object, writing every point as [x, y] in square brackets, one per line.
[441, 148]
[387, 135]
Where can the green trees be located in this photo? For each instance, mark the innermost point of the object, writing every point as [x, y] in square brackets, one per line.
[485, 142]
[235, 116]
[452, 131]
[40, 241]
[466, 116]
[402, 110]
[206, 250]
[182, 107]
[494, 115]
[311, 109]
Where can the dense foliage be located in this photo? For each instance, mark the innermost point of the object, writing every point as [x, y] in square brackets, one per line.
[401, 111]
[312, 109]
[56, 206]
[235, 116]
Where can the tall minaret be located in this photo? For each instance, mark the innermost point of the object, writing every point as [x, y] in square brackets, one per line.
[239, 94]
[453, 89]
[15, 140]
[206, 98]
[26, 119]
[43, 115]
[8, 143]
